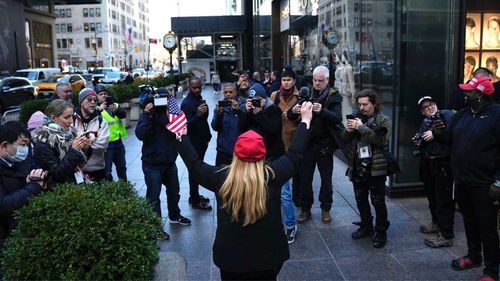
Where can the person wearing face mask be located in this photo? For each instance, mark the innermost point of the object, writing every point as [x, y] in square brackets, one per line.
[435, 172]
[89, 123]
[474, 137]
[18, 175]
[57, 149]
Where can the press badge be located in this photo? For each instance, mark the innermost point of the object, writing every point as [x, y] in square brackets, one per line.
[364, 150]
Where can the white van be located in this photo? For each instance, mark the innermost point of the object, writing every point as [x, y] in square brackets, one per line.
[37, 75]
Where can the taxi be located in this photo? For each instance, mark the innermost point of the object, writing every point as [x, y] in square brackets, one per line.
[48, 87]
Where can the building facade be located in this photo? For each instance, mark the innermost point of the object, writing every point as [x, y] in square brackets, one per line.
[111, 34]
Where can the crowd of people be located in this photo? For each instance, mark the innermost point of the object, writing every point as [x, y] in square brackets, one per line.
[271, 136]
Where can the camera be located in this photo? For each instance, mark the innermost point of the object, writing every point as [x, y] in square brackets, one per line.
[256, 102]
[303, 100]
[151, 95]
[224, 103]
[44, 177]
[109, 101]
[350, 116]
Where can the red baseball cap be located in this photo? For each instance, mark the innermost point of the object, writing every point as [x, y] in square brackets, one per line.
[250, 147]
[480, 83]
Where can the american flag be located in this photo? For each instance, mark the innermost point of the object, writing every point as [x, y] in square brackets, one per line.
[128, 35]
[177, 120]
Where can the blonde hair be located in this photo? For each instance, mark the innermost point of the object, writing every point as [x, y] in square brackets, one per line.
[245, 190]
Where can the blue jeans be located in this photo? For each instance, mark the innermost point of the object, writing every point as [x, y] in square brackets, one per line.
[167, 176]
[287, 205]
[116, 155]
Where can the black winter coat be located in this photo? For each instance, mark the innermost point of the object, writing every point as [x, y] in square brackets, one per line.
[14, 193]
[259, 246]
[197, 126]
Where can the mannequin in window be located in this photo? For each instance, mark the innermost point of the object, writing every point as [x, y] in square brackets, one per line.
[470, 30]
[492, 65]
[469, 66]
[493, 30]
[338, 70]
[347, 88]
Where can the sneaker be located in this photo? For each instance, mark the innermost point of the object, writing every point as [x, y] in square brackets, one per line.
[363, 230]
[438, 241]
[325, 216]
[290, 234]
[163, 235]
[303, 216]
[201, 198]
[431, 228]
[181, 220]
[202, 206]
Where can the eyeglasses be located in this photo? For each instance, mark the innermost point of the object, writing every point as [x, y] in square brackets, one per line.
[91, 100]
[429, 106]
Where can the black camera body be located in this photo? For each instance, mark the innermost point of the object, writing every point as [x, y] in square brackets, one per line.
[224, 103]
[109, 101]
[303, 100]
[256, 102]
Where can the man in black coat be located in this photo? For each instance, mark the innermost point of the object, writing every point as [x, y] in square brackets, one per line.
[196, 110]
[474, 136]
[16, 168]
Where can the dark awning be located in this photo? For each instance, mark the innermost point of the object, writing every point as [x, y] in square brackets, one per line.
[198, 26]
[77, 2]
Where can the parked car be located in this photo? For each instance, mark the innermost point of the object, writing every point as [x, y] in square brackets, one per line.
[100, 72]
[112, 78]
[14, 91]
[139, 70]
[48, 87]
[37, 75]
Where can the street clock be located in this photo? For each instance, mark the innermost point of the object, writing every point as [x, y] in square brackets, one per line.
[169, 41]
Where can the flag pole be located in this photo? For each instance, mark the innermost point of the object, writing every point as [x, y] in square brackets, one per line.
[148, 68]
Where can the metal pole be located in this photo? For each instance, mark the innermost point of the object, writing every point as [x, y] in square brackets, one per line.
[15, 46]
[171, 63]
[95, 48]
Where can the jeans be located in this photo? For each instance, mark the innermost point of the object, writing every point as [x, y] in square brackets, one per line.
[438, 184]
[116, 155]
[480, 222]
[316, 155]
[287, 205]
[193, 183]
[167, 176]
[375, 188]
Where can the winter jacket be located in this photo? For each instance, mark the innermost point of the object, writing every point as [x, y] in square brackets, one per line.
[197, 126]
[275, 85]
[226, 126]
[434, 148]
[261, 245]
[14, 192]
[53, 152]
[475, 145]
[375, 131]
[266, 123]
[285, 104]
[158, 143]
[98, 144]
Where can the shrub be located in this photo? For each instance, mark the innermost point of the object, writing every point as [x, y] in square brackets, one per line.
[30, 107]
[121, 92]
[89, 232]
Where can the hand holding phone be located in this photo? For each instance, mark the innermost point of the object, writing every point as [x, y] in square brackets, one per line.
[350, 116]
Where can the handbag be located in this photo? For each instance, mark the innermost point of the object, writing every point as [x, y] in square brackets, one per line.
[392, 164]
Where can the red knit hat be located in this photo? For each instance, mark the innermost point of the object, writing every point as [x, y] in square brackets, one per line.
[250, 147]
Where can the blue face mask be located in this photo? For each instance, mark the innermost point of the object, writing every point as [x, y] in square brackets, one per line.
[21, 154]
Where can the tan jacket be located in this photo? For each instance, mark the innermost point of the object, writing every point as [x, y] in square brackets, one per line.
[288, 126]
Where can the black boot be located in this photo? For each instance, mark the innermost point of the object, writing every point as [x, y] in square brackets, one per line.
[365, 229]
[379, 239]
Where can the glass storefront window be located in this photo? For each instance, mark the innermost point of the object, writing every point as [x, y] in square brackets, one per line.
[262, 34]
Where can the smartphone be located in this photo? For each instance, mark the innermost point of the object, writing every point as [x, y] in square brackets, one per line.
[109, 101]
[350, 116]
[224, 103]
[89, 133]
[203, 101]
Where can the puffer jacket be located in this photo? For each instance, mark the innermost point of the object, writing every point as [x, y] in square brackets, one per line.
[376, 132]
[288, 126]
[98, 144]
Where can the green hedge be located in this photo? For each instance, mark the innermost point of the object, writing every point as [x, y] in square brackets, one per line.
[87, 232]
[30, 107]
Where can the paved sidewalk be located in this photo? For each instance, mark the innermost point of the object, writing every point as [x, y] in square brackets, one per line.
[320, 251]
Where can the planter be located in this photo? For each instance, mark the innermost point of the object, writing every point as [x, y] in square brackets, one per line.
[126, 121]
[135, 109]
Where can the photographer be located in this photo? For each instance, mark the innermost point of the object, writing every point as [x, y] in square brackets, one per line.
[196, 110]
[18, 178]
[249, 242]
[88, 122]
[367, 135]
[264, 117]
[326, 128]
[225, 122]
[242, 88]
[435, 172]
[112, 113]
[158, 156]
